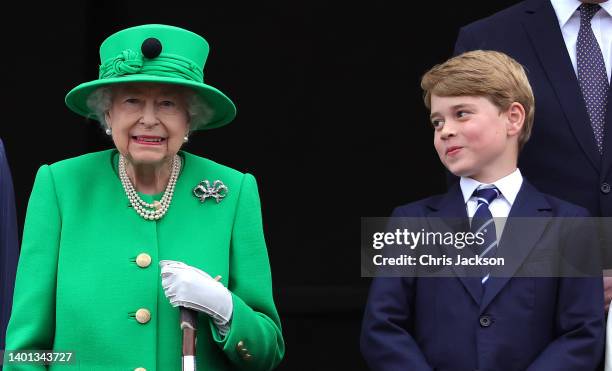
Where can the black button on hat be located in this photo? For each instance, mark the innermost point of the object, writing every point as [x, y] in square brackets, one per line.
[151, 47]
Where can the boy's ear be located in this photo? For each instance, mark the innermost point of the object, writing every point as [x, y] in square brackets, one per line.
[516, 118]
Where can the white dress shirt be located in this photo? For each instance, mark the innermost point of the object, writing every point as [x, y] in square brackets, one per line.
[569, 22]
[509, 187]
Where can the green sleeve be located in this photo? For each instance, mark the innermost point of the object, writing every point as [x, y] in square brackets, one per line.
[32, 322]
[255, 321]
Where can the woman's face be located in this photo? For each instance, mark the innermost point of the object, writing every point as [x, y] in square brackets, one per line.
[149, 121]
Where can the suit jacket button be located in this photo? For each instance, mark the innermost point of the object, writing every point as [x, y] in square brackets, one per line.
[143, 260]
[485, 321]
[605, 188]
[143, 315]
[140, 369]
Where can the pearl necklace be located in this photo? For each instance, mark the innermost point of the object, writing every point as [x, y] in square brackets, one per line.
[157, 209]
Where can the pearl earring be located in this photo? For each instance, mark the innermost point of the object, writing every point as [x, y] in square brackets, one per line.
[185, 139]
[108, 131]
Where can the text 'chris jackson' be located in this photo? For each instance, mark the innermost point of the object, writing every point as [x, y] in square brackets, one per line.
[428, 260]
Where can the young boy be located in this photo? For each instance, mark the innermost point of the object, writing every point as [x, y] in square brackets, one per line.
[482, 108]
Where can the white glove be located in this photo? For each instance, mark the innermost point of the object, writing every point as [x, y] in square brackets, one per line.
[190, 287]
[608, 354]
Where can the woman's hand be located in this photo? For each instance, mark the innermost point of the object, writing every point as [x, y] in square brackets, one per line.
[190, 287]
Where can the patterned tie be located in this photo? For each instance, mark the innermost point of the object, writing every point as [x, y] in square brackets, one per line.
[592, 73]
[482, 222]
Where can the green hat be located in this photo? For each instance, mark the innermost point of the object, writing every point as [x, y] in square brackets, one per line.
[155, 53]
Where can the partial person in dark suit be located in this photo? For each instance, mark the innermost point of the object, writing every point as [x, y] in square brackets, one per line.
[563, 156]
[9, 250]
[566, 49]
[482, 111]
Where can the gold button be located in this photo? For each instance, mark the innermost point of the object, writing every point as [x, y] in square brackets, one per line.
[247, 357]
[143, 260]
[140, 369]
[143, 315]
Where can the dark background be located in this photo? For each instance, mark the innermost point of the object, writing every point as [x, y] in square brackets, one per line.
[330, 121]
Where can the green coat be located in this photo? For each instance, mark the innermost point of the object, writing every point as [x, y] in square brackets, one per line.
[78, 285]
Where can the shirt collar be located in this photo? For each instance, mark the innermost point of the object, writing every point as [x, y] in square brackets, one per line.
[509, 186]
[566, 8]
[607, 6]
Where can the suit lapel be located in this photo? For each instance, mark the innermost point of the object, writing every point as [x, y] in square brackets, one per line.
[543, 29]
[519, 238]
[448, 214]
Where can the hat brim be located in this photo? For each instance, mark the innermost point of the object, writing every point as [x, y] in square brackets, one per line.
[224, 110]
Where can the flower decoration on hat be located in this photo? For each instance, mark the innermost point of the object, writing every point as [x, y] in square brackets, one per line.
[128, 62]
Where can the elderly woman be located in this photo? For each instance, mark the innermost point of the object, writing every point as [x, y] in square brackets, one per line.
[115, 241]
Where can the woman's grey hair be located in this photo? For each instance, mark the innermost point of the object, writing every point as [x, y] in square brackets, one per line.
[200, 113]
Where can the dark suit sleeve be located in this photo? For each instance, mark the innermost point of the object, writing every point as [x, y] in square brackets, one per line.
[386, 342]
[465, 42]
[8, 243]
[579, 323]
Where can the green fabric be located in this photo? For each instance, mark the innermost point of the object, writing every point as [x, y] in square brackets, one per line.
[168, 65]
[78, 286]
[181, 62]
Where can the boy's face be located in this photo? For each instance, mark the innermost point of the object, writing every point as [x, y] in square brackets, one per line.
[473, 138]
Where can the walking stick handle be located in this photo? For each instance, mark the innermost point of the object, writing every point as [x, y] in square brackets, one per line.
[189, 325]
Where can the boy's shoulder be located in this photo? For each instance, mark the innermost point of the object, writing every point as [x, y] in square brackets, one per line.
[562, 208]
[420, 207]
[558, 206]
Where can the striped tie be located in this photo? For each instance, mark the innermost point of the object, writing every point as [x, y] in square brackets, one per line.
[482, 222]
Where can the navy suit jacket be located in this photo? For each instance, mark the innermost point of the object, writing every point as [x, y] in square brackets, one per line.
[9, 250]
[517, 323]
[561, 158]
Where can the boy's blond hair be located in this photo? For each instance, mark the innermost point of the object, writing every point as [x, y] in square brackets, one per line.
[484, 73]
